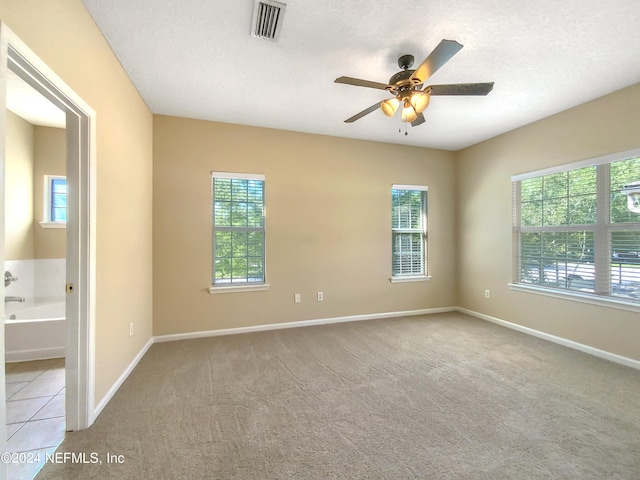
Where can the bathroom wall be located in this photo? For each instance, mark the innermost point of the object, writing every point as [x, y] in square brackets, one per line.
[35, 255]
[19, 231]
[32, 153]
[49, 158]
[38, 279]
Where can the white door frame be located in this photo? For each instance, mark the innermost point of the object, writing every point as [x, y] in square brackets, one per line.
[81, 229]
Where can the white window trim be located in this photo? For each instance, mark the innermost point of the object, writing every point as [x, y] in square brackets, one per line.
[53, 224]
[408, 278]
[594, 299]
[239, 288]
[421, 188]
[242, 287]
[240, 176]
[46, 195]
[413, 278]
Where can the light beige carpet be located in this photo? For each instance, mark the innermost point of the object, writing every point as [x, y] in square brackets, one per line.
[432, 397]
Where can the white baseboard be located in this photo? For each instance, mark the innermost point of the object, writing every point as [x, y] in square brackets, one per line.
[114, 388]
[629, 362]
[302, 323]
[34, 354]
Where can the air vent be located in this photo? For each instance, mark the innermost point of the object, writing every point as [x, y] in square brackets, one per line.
[267, 19]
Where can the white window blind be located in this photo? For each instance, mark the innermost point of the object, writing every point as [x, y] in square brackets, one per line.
[238, 229]
[573, 230]
[55, 198]
[409, 230]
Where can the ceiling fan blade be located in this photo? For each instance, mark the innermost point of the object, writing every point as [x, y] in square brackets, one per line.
[418, 121]
[361, 83]
[461, 89]
[366, 111]
[440, 55]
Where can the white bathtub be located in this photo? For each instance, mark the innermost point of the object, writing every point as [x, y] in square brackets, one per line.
[34, 330]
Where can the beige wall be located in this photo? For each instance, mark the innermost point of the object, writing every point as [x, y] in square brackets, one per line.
[49, 158]
[19, 238]
[607, 125]
[32, 152]
[65, 36]
[328, 203]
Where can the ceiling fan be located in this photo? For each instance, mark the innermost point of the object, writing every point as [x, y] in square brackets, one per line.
[406, 86]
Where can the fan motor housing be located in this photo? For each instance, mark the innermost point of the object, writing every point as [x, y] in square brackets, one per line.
[403, 79]
[405, 62]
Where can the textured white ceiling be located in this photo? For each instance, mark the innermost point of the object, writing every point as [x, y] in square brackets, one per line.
[196, 58]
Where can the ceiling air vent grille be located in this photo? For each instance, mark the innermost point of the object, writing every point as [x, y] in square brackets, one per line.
[267, 19]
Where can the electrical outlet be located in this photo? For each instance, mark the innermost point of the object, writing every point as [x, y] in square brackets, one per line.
[131, 329]
[296, 298]
[487, 294]
[320, 296]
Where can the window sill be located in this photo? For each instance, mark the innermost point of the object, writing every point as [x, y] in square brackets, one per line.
[239, 288]
[53, 224]
[608, 302]
[413, 278]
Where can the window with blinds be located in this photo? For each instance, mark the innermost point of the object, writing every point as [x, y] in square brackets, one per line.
[238, 229]
[409, 230]
[55, 199]
[573, 230]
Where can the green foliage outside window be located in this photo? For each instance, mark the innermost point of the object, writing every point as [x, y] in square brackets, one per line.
[560, 224]
[238, 223]
[623, 173]
[408, 221]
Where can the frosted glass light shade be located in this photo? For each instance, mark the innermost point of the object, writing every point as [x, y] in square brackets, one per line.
[419, 101]
[409, 114]
[390, 106]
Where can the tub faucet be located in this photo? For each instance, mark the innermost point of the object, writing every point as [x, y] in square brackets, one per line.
[13, 299]
[9, 278]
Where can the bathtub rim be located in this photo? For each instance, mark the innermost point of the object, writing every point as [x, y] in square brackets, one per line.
[16, 321]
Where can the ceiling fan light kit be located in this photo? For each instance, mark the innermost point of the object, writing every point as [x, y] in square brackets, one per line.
[420, 101]
[390, 106]
[407, 89]
[408, 113]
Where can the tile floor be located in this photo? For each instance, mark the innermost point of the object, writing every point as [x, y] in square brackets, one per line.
[35, 412]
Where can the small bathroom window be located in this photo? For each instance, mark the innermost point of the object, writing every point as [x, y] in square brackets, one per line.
[55, 201]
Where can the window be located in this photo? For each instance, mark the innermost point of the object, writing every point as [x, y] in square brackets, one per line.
[574, 230]
[409, 232]
[238, 231]
[55, 201]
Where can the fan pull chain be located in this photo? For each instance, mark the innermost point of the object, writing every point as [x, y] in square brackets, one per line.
[400, 127]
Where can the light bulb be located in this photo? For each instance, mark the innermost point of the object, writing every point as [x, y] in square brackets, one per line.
[419, 101]
[390, 106]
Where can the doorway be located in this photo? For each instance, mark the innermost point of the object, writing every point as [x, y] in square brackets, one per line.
[79, 297]
[34, 271]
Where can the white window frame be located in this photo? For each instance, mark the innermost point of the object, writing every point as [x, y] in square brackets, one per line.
[401, 278]
[47, 222]
[602, 230]
[238, 287]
